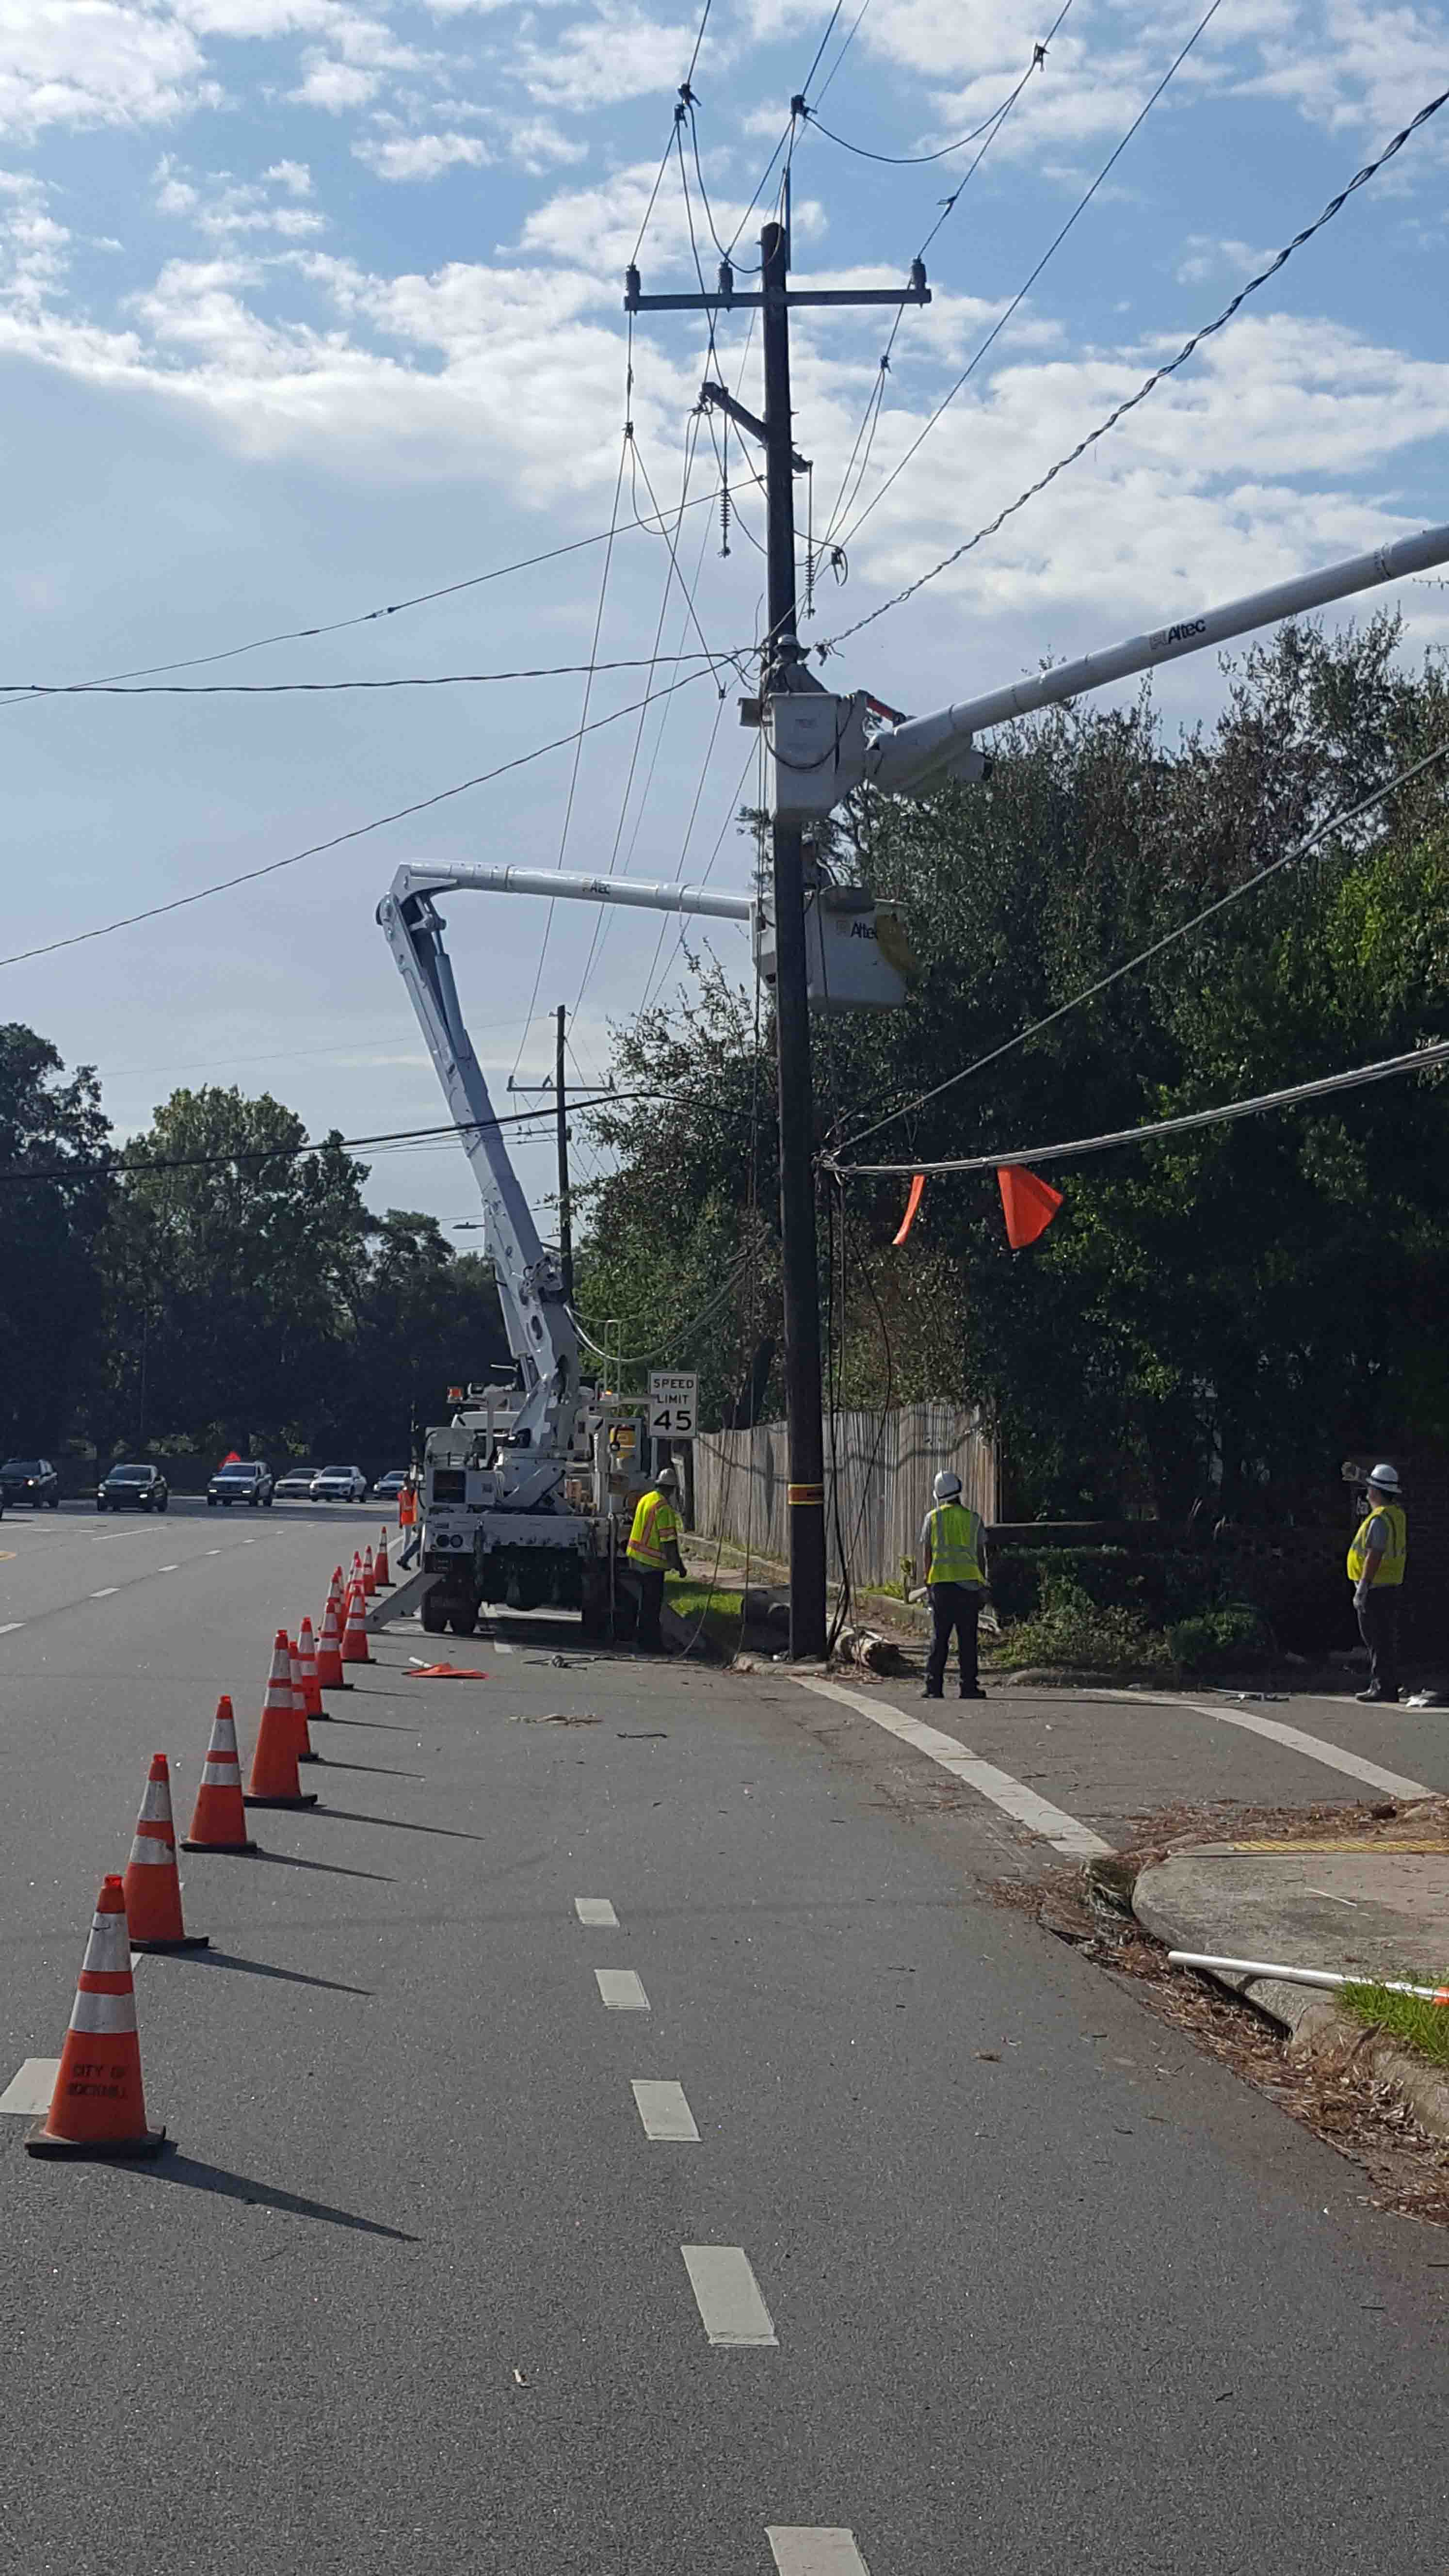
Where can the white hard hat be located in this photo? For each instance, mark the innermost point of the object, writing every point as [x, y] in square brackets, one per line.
[1386, 1478]
[666, 1476]
[946, 1486]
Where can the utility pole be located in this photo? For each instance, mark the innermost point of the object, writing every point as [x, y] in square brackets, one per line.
[782, 674]
[565, 1211]
[559, 1089]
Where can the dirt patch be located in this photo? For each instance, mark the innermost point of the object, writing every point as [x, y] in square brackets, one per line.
[1343, 2102]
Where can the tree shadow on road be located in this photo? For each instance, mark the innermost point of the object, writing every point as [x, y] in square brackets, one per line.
[234, 2186]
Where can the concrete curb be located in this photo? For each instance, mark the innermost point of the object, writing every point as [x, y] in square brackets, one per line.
[1317, 2028]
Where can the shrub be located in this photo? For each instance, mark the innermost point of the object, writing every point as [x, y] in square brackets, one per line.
[1218, 1640]
[1070, 1628]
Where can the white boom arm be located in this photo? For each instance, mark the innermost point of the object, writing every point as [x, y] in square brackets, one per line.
[926, 749]
[540, 1330]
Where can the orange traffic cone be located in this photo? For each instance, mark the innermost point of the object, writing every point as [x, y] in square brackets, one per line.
[354, 1635]
[300, 1732]
[274, 1780]
[311, 1684]
[219, 1823]
[337, 1595]
[152, 1885]
[98, 2107]
[369, 1576]
[356, 1575]
[381, 1572]
[329, 1651]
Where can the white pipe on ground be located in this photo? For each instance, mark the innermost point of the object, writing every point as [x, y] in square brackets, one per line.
[1324, 1977]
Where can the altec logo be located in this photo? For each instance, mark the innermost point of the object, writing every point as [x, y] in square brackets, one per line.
[1180, 634]
[863, 929]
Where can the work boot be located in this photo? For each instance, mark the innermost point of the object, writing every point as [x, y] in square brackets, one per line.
[972, 1690]
[928, 1693]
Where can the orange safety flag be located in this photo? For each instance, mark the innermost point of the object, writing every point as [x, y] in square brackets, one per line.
[913, 1203]
[1029, 1204]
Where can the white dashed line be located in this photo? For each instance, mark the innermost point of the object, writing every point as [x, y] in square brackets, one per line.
[621, 1990]
[8, 1626]
[598, 1911]
[824, 2552]
[1063, 1832]
[215, 1551]
[665, 2113]
[105, 1591]
[728, 2295]
[165, 1569]
[30, 2090]
[1318, 1749]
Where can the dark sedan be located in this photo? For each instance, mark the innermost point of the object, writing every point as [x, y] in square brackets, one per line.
[30, 1480]
[139, 1489]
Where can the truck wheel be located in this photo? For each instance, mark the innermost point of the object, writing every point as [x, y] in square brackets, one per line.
[434, 1617]
[463, 1622]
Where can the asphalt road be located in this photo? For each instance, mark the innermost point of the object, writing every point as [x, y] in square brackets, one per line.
[1024, 2284]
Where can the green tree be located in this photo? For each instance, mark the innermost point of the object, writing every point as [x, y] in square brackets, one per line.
[49, 1278]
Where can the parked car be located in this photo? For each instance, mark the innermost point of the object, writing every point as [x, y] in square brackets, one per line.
[339, 1485]
[29, 1480]
[141, 1489]
[388, 1487]
[241, 1480]
[296, 1485]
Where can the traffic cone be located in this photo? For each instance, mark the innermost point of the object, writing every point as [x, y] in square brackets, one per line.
[356, 1575]
[369, 1577]
[152, 1884]
[300, 1731]
[354, 1635]
[311, 1682]
[274, 1780]
[380, 1568]
[337, 1595]
[98, 2107]
[219, 1823]
[329, 1651]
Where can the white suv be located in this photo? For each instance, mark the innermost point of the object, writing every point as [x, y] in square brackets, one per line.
[339, 1485]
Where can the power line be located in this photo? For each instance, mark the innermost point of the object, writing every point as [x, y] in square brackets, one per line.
[355, 832]
[1418, 1060]
[907, 160]
[325, 688]
[1183, 930]
[1022, 292]
[1335, 204]
[368, 616]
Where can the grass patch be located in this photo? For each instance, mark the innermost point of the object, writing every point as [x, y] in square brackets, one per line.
[716, 1614]
[1423, 2027]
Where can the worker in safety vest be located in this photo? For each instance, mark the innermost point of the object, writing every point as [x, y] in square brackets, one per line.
[408, 1517]
[1376, 1571]
[653, 1546]
[952, 1549]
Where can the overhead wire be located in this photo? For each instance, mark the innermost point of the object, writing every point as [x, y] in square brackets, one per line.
[1023, 291]
[1149, 384]
[326, 688]
[1417, 1060]
[1182, 930]
[335, 840]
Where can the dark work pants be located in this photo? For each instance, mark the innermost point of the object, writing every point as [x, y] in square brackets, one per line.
[1378, 1625]
[647, 1586]
[954, 1606]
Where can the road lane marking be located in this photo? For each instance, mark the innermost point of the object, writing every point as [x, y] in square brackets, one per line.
[822, 2552]
[1065, 1833]
[8, 1626]
[621, 1990]
[215, 1551]
[594, 1909]
[30, 2090]
[165, 1569]
[727, 2295]
[665, 2112]
[1334, 1757]
[105, 1591]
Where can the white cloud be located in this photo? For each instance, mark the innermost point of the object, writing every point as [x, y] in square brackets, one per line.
[421, 156]
[335, 85]
[597, 62]
[1204, 257]
[294, 176]
[537, 145]
[222, 206]
[95, 62]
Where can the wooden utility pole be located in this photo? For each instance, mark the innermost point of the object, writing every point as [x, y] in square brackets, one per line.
[783, 672]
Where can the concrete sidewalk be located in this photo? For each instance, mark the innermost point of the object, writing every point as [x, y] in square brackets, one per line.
[1368, 1903]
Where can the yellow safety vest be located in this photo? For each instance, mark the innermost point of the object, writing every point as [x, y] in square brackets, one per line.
[1391, 1564]
[955, 1545]
[656, 1529]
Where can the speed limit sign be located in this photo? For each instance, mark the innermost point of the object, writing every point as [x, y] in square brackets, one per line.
[673, 1403]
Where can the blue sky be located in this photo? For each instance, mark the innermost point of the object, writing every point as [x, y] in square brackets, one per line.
[307, 306]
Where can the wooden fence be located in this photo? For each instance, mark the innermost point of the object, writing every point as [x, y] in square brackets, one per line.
[882, 1465]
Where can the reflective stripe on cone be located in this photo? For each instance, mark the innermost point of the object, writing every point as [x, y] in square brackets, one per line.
[219, 1822]
[152, 1884]
[98, 2107]
[300, 1733]
[354, 1635]
[274, 1781]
